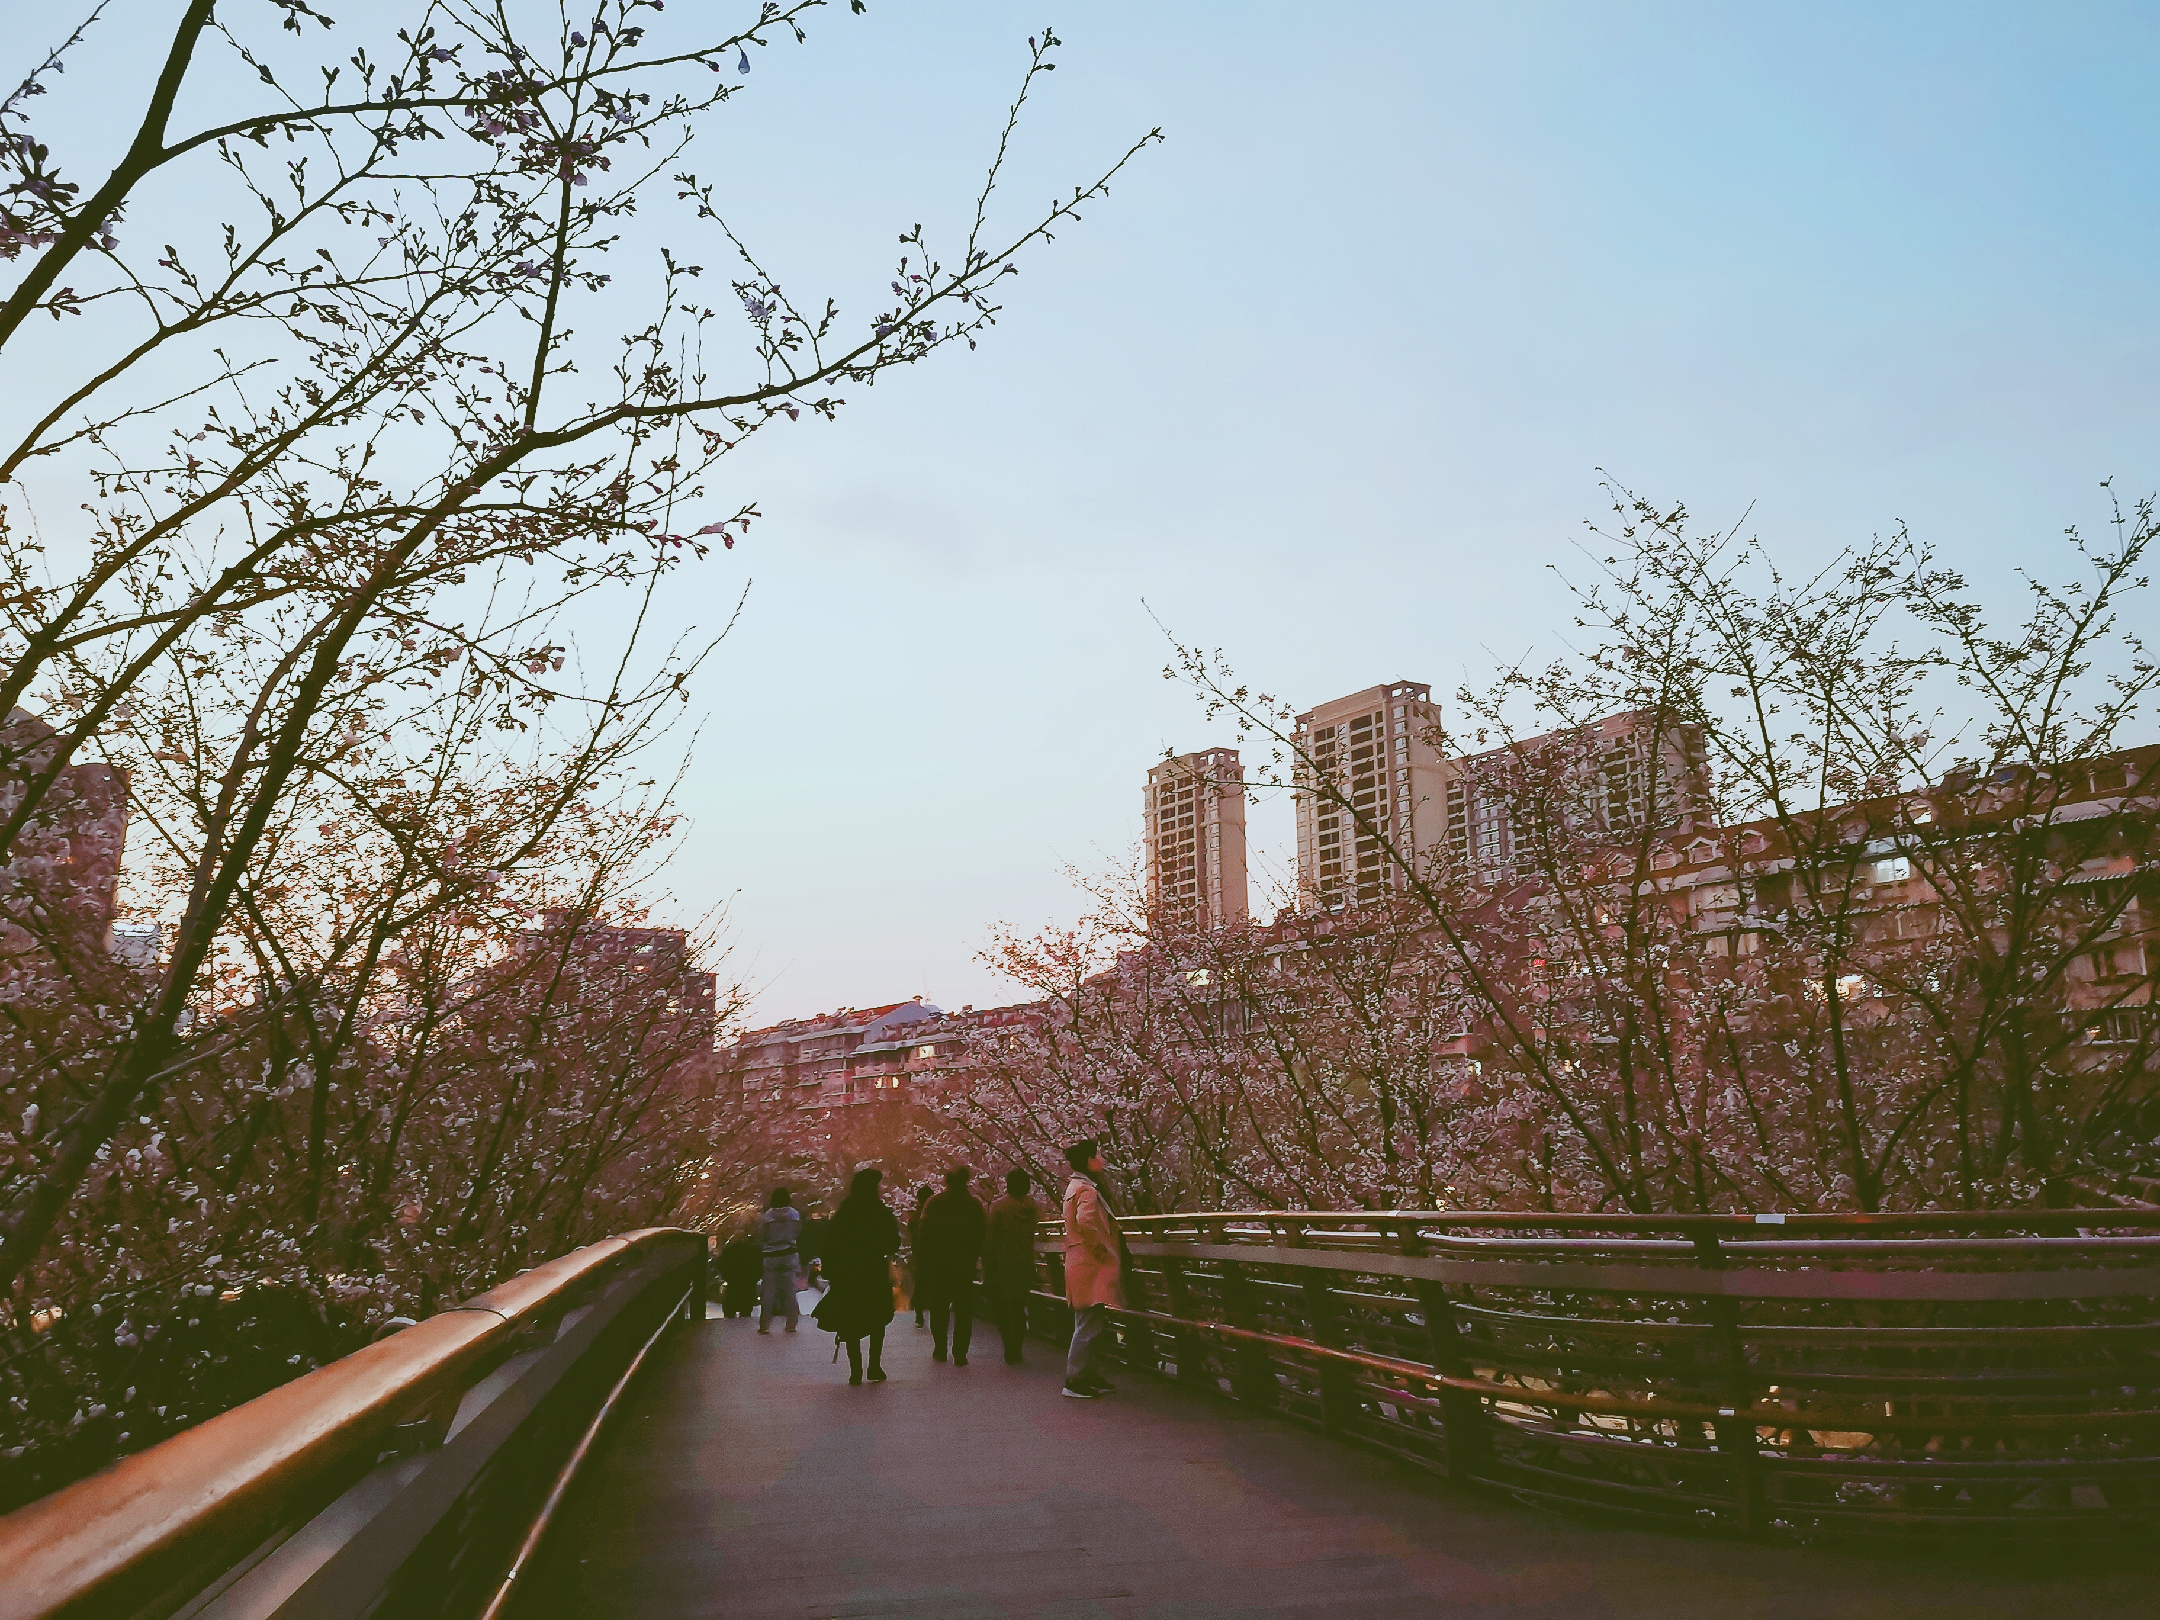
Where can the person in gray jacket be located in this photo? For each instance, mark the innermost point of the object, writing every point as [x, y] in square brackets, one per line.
[779, 1234]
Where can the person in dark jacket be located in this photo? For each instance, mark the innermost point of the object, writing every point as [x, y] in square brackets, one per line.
[948, 1243]
[859, 1243]
[923, 1195]
[742, 1266]
[1009, 1261]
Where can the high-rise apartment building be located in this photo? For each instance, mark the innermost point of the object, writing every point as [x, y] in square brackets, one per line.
[1195, 836]
[1621, 773]
[1374, 749]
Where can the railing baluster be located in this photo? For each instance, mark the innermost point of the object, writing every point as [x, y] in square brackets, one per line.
[1462, 1412]
[1735, 1435]
[1338, 1399]
[1254, 1376]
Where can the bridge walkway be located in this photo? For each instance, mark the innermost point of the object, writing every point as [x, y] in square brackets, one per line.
[746, 1479]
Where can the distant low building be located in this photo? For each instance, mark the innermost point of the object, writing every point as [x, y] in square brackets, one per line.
[811, 1063]
[904, 1051]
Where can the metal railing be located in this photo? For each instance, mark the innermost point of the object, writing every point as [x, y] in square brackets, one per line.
[1780, 1375]
[410, 1478]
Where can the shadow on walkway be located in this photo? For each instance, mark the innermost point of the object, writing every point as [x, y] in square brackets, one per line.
[745, 1478]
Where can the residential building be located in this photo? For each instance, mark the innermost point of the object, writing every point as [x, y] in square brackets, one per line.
[1377, 750]
[1621, 771]
[833, 1059]
[60, 887]
[1194, 815]
[599, 952]
[627, 989]
[904, 1051]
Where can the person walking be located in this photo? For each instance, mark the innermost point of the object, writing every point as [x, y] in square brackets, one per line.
[1009, 1261]
[1094, 1255]
[742, 1265]
[779, 1234]
[860, 1241]
[923, 1195]
[948, 1243]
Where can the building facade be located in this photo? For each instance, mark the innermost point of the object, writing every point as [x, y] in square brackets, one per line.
[832, 1060]
[902, 1052]
[1377, 750]
[1623, 773]
[60, 887]
[1193, 813]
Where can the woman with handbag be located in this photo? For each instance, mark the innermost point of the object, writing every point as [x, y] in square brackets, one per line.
[860, 1241]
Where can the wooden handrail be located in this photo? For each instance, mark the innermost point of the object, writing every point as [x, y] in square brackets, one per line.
[117, 1541]
[1933, 1220]
[1988, 1372]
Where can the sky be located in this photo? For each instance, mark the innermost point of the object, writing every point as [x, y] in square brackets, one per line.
[1331, 379]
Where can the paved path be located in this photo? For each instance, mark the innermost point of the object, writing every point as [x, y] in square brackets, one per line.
[746, 1479]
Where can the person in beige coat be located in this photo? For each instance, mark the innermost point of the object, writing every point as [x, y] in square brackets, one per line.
[1094, 1255]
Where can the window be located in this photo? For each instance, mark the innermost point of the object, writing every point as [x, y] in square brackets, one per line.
[2123, 1026]
[2124, 961]
[1895, 869]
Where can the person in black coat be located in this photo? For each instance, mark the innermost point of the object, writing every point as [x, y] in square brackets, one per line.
[859, 1244]
[923, 1195]
[742, 1265]
[1009, 1261]
[948, 1243]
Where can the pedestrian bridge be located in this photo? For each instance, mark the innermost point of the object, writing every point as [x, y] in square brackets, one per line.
[1370, 1415]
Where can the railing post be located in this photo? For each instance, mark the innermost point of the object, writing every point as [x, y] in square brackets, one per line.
[1735, 1434]
[1255, 1380]
[1462, 1414]
[1138, 1335]
[1184, 1343]
[1338, 1399]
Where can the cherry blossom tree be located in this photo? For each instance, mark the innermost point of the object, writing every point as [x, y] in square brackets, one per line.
[318, 357]
[391, 398]
[1810, 894]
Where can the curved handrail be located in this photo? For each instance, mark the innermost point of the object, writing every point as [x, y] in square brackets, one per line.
[125, 1535]
[1932, 1220]
[1996, 1372]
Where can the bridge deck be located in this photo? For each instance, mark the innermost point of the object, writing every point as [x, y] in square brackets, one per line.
[747, 1479]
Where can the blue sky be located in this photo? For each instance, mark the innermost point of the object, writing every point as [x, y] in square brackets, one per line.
[1328, 380]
